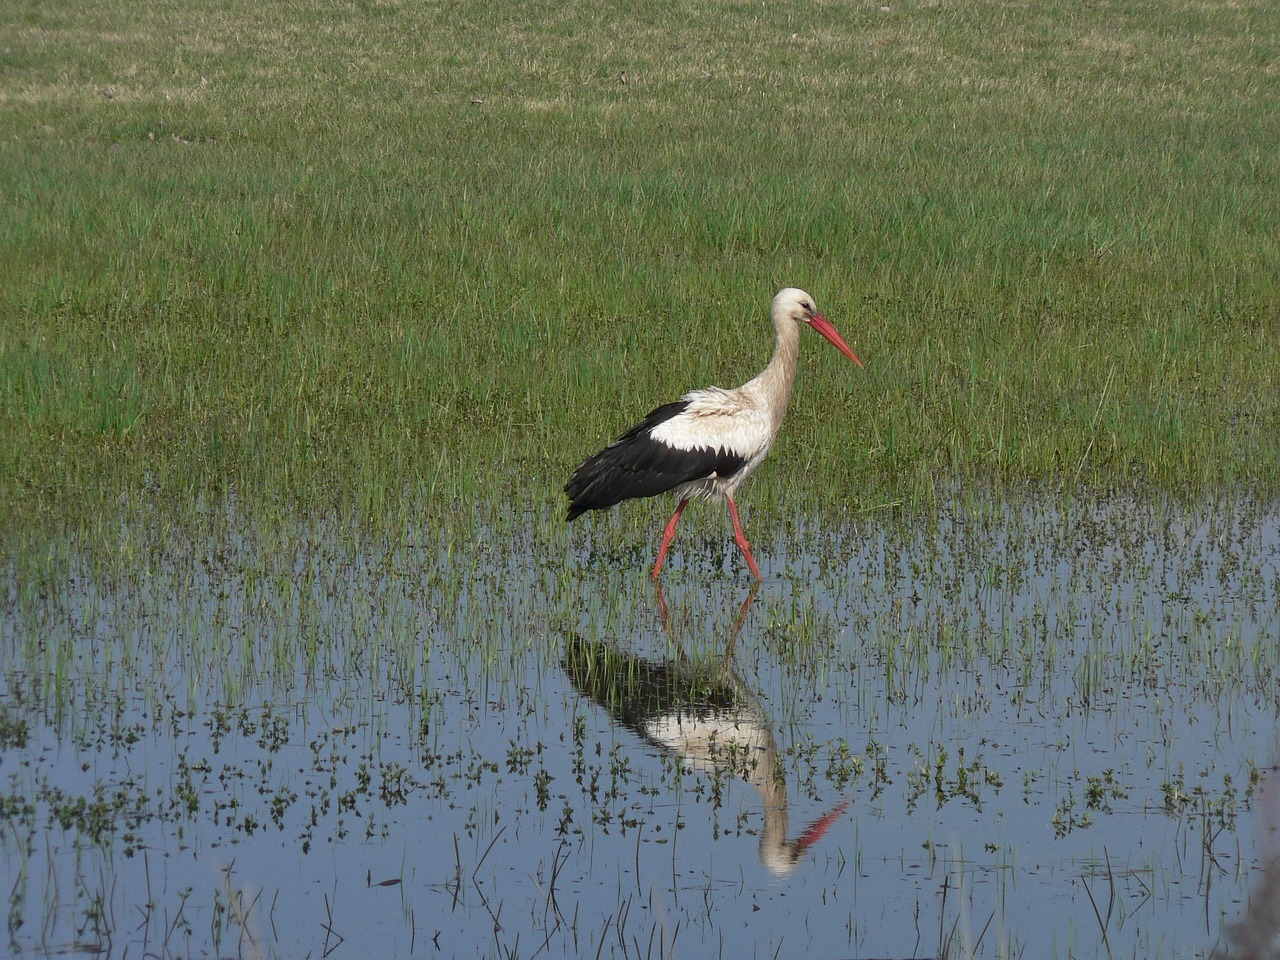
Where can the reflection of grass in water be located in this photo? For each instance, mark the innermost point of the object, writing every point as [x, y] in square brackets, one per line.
[989, 611]
[417, 247]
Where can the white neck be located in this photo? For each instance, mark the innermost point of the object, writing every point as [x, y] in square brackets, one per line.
[775, 382]
[769, 781]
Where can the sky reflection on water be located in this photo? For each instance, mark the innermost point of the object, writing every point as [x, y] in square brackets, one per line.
[1016, 728]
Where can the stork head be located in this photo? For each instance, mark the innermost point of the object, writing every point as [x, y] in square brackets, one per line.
[796, 305]
[781, 855]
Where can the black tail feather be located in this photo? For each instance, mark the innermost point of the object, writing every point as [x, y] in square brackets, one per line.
[635, 465]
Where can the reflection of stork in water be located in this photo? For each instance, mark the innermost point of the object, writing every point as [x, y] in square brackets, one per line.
[703, 712]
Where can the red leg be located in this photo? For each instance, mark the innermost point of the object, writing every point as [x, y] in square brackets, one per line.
[668, 535]
[741, 539]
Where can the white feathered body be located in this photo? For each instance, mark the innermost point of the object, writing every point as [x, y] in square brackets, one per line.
[702, 446]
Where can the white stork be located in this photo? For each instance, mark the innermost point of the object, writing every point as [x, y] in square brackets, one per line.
[707, 442]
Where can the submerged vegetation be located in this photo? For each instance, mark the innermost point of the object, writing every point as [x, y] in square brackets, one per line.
[333, 254]
[998, 712]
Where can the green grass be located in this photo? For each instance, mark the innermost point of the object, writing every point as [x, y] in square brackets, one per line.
[330, 254]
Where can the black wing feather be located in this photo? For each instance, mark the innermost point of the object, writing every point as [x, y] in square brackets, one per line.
[635, 465]
[636, 691]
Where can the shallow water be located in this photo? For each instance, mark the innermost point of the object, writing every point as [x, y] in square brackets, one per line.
[1008, 727]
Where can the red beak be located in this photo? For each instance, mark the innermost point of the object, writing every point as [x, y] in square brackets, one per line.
[816, 829]
[819, 323]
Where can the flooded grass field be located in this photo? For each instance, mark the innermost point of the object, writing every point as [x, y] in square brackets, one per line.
[265, 267]
[1032, 726]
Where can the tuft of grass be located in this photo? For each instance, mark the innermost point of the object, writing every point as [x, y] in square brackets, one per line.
[333, 254]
